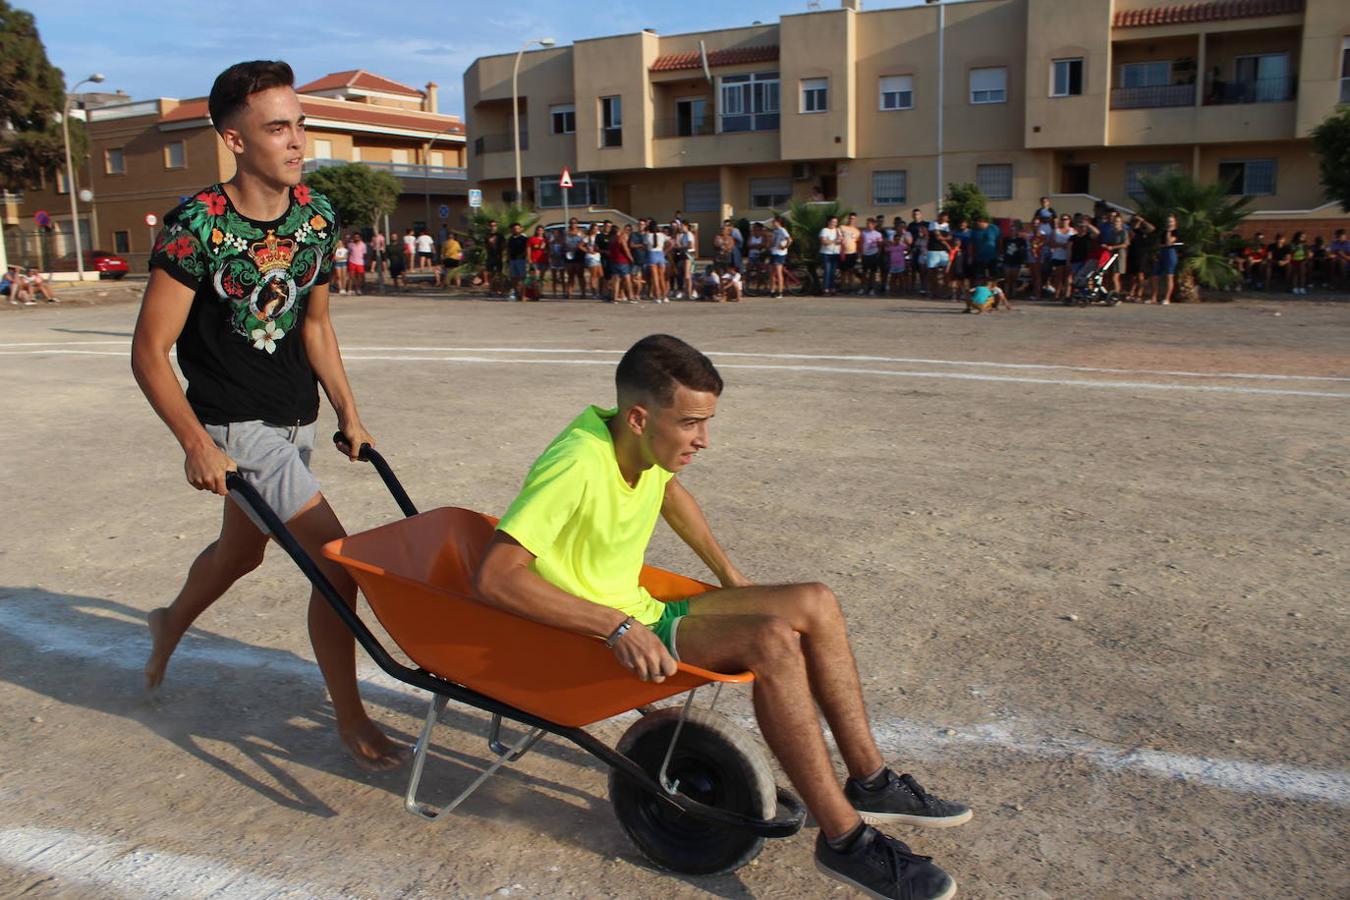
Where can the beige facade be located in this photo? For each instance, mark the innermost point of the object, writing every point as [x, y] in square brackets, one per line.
[1077, 100]
[145, 156]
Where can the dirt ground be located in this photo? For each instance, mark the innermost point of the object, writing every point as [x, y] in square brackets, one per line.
[1094, 564]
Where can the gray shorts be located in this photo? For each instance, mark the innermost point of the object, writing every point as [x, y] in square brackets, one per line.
[274, 459]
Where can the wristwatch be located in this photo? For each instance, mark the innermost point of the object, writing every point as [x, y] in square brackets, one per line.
[620, 631]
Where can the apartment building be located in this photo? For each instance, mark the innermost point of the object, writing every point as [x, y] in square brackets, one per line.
[145, 156]
[1073, 98]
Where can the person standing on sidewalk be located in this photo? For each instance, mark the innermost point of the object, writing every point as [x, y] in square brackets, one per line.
[239, 282]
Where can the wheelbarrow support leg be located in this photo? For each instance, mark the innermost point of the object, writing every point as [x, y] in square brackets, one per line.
[507, 754]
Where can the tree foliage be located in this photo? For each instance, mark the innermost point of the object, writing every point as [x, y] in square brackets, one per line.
[1207, 215]
[965, 201]
[361, 195]
[32, 96]
[1331, 140]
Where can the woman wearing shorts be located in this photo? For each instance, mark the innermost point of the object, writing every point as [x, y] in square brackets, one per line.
[938, 260]
[657, 242]
[621, 265]
[1165, 264]
[340, 267]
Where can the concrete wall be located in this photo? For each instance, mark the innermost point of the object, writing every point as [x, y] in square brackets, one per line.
[1326, 25]
[614, 67]
[1062, 31]
[819, 45]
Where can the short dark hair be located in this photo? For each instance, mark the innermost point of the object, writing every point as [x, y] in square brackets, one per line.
[235, 85]
[658, 363]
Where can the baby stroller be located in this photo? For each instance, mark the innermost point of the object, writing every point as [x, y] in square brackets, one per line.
[1089, 285]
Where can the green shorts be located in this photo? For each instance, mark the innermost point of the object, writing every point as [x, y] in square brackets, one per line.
[666, 626]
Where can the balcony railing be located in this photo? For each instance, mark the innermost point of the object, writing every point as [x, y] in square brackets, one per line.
[684, 126]
[1261, 90]
[398, 170]
[1152, 97]
[499, 143]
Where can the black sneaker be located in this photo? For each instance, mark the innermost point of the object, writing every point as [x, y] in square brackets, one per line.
[881, 866]
[902, 799]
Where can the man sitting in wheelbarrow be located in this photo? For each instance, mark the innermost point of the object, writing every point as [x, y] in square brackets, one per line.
[568, 553]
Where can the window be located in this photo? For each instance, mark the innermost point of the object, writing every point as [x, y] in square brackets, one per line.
[989, 85]
[611, 122]
[897, 92]
[114, 162]
[1345, 70]
[586, 190]
[995, 181]
[1146, 74]
[770, 193]
[815, 95]
[175, 156]
[1066, 77]
[323, 149]
[749, 102]
[564, 118]
[1264, 77]
[61, 182]
[702, 196]
[693, 116]
[121, 241]
[399, 156]
[1254, 176]
[437, 158]
[1135, 172]
[889, 188]
[356, 154]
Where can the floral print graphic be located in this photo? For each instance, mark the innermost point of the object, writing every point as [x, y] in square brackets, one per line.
[263, 272]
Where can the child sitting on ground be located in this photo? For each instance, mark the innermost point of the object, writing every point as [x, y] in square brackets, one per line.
[987, 296]
[729, 285]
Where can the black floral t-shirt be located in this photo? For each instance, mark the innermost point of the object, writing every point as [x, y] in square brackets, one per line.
[240, 348]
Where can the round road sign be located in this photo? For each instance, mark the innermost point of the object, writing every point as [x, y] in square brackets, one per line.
[42, 218]
[151, 220]
[444, 211]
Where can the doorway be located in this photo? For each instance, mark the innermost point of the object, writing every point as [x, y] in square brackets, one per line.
[1074, 178]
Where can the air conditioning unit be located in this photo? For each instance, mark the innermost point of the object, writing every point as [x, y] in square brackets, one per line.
[803, 171]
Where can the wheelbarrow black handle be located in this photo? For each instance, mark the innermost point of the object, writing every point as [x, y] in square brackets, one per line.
[367, 453]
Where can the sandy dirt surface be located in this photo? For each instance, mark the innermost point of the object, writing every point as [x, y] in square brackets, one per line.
[1093, 561]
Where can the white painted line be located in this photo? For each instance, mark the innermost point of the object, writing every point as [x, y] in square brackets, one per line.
[986, 364]
[32, 622]
[101, 866]
[124, 342]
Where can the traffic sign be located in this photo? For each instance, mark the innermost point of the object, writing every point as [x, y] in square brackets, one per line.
[151, 219]
[475, 198]
[444, 212]
[42, 218]
[566, 180]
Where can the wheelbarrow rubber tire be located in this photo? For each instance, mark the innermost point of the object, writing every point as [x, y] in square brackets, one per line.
[717, 764]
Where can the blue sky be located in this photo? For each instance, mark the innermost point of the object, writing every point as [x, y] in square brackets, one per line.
[175, 49]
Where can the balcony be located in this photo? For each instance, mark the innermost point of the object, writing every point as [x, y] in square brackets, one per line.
[398, 170]
[500, 143]
[683, 126]
[1261, 90]
[1153, 97]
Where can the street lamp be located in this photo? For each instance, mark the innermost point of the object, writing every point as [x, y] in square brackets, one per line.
[515, 101]
[70, 174]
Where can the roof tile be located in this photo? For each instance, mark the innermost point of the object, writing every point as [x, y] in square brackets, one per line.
[356, 113]
[730, 56]
[1212, 11]
[358, 78]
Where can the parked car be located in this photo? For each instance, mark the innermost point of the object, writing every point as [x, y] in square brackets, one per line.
[108, 265]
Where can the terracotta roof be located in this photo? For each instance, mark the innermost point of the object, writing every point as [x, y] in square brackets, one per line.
[732, 56]
[356, 113]
[358, 78]
[1214, 11]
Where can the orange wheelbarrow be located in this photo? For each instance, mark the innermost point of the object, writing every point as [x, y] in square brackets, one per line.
[695, 793]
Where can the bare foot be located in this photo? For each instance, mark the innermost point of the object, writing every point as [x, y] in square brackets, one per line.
[161, 649]
[373, 751]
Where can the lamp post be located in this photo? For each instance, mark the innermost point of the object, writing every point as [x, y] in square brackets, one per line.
[515, 101]
[942, 99]
[70, 174]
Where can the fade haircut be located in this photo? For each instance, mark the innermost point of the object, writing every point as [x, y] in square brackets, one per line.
[657, 364]
[236, 84]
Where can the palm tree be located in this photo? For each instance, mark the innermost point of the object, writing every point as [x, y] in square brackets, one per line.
[1206, 217]
[805, 219]
[505, 215]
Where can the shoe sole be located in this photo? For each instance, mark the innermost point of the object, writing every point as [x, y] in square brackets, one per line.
[831, 873]
[872, 818]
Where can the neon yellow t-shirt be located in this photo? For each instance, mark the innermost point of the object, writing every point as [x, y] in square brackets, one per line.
[587, 528]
